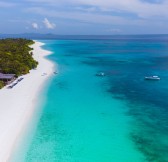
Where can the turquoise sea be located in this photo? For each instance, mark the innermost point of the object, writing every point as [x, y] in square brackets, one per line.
[117, 118]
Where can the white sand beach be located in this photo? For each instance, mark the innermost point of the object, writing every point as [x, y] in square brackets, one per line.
[18, 104]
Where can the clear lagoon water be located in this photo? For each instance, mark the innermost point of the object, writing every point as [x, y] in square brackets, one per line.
[117, 118]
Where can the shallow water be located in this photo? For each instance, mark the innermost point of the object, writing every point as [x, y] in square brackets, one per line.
[117, 118]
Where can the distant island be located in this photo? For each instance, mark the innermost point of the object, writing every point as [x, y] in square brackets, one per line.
[15, 58]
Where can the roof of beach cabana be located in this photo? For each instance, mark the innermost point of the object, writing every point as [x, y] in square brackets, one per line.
[6, 76]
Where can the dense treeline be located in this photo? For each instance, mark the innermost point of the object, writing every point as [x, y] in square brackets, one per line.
[16, 56]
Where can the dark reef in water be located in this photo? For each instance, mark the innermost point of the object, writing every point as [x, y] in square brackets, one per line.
[148, 106]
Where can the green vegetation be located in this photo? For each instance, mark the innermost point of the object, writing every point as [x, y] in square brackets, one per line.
[2, 84]
[16, 56]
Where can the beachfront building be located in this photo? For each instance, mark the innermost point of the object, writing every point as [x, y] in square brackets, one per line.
[7, 78]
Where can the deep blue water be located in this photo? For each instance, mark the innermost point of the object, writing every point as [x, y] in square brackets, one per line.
[117, 118]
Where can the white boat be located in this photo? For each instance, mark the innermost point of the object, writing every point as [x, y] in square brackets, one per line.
[100, 74]
[152, 78]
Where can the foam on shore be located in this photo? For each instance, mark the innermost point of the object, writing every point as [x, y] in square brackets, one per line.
[18, 104]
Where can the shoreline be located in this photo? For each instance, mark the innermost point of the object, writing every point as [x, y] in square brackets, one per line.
[19, 103]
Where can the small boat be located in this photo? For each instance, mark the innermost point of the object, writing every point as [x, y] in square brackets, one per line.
[55, 72]
[100, 74]
[152, 78]
[20, 79]
[11, 86]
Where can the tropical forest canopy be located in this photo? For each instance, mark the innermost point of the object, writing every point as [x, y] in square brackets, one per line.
[16, 56]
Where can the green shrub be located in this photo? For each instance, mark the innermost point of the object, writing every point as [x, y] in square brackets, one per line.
[2, 84]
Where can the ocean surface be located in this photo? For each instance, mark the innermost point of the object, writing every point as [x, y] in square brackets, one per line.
[116, 118]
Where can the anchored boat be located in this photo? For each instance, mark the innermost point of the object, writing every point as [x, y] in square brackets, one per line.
[152, 78]
[101, 74]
